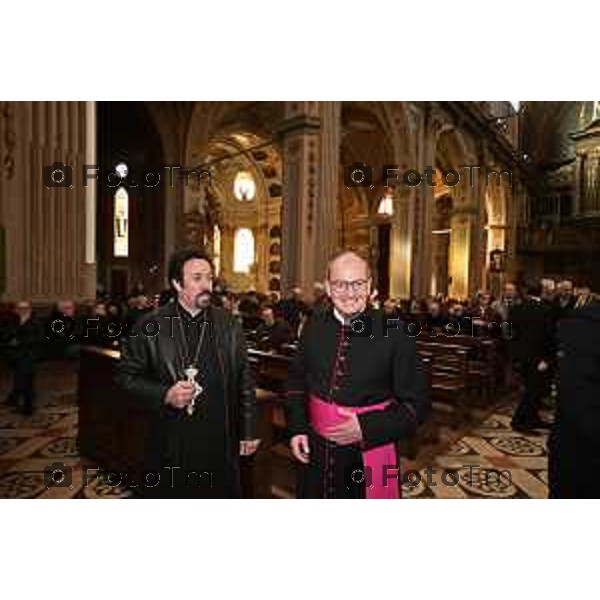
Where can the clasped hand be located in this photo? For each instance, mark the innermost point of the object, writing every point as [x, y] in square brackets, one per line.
[180, 394]
[346, 432]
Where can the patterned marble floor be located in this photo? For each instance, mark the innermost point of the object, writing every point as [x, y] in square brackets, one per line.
[489, 461]
[30, 445]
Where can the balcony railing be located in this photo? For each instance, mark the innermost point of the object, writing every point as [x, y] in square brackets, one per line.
[558, 238]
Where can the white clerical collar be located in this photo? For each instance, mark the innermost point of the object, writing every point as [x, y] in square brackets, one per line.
[341, 318]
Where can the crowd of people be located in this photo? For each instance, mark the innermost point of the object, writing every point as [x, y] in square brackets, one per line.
[540, 318]
[274, 324]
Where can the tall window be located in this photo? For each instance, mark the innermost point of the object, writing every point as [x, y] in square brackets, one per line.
[244, 187]
[121, 223]
[243, 250]
[217, 249]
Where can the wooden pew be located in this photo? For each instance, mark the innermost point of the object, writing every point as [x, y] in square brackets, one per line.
[107, 439]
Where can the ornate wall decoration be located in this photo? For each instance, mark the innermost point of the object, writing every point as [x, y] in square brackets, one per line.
[312, 183]
[193, 229]
[8, 137]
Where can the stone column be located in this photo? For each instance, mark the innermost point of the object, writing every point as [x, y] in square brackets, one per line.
[174, 198]
[402, 232]
[462, 224]
[400, 245]
[45, 223]
[423, 207]
[577, 187]
[326, 225]
[477, 245]
[301, 157]
[515, 197]
[7, 173]
[88, 273]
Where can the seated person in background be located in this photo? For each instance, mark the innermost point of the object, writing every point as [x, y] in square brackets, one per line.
[548, 290]
[116, 326]
[22, 348]
[458, 311]
[273, 332]
[248, 307]
[481, 308]
[64, 331]
[95, 332]
[460, 318]
[291, 308]
[230, 303]
[485, 319]
[99, 310]
[436, 316]
[404, 307]
[390, 309]
[137, 307]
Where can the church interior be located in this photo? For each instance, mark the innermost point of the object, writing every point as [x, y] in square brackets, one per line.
[454, 204]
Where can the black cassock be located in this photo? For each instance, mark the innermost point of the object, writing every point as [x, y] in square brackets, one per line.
[338, 363]
[195, 456]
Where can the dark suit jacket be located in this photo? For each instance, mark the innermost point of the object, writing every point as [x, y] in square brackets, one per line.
[532, 332]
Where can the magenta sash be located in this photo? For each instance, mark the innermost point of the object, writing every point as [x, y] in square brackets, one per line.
[325, 414]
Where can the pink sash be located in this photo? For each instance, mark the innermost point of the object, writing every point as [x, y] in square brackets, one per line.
[325, 414]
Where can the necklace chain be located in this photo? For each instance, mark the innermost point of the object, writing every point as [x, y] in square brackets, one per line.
[194, 359]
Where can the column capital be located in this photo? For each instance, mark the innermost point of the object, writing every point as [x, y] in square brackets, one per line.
[297, 125]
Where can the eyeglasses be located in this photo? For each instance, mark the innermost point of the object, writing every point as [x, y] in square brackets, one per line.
[338, 286]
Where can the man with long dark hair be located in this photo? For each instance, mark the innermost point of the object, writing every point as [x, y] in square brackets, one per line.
[187, 364]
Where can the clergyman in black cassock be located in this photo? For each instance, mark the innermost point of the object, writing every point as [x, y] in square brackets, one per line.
[353, 371]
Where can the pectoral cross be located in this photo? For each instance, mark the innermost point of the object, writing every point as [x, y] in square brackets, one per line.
[191, 373]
